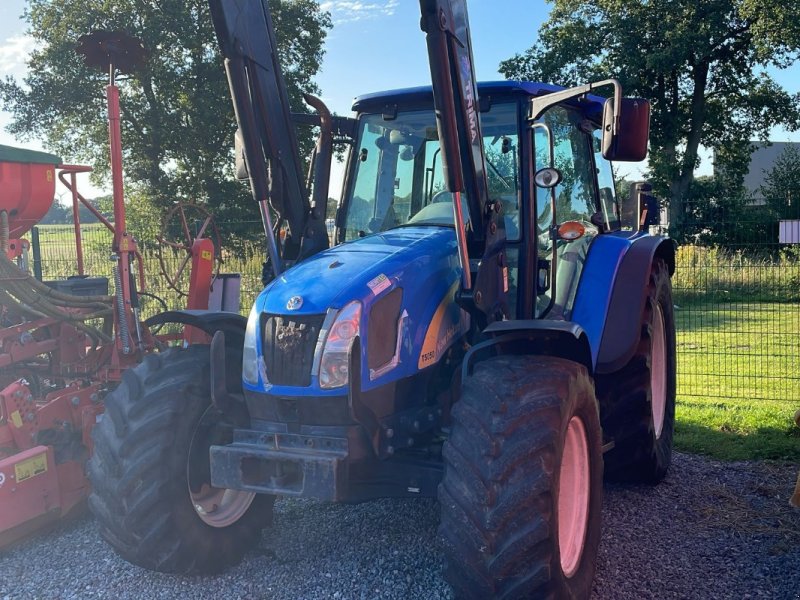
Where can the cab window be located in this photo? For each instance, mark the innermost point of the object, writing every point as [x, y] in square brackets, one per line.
[560, 141]
[398, 179]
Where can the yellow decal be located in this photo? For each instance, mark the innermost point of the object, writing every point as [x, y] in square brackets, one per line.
[49, 175]
[448, 322]
[205, 255]
[31, 467]
[16, 419]
[124, 244]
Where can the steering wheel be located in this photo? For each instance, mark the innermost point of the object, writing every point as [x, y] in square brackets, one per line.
[180, 228]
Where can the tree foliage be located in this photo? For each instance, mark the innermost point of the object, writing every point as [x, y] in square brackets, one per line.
[724, 215]
[177, 117]
[781, 187]
[695, 60]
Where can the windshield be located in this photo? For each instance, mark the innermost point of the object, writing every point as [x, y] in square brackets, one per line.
[398, 173]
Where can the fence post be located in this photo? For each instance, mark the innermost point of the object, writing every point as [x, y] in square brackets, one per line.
[37, 253]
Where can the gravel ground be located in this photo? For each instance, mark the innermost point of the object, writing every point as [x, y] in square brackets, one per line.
[710, 530]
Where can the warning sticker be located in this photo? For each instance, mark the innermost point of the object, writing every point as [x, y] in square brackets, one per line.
[380, 283]
[205, 255]
[31, 467]
[16, 419]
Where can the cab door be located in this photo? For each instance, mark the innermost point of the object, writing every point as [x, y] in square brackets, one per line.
[568, 214]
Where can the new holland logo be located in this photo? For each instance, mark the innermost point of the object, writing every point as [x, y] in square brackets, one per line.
[294, 303]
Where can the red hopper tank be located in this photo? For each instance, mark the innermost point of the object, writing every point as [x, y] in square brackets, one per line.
[27, 186]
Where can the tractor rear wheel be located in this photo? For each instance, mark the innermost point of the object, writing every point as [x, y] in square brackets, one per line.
[522, 488]
[637, 404]
[150, 470]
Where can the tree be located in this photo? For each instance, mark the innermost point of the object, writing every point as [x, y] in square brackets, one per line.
[694, 60]
[721, 214]
[781, 188]
[177, 117]
[57, 214]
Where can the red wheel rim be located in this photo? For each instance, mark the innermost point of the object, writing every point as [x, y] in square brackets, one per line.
[658, 371]
[573, 496]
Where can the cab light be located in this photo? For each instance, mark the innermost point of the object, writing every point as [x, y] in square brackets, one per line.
[571, 230]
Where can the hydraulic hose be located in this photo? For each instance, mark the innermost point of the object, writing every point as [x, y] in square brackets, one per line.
[24, 293]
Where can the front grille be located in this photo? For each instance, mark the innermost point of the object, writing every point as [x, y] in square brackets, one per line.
[289, 343]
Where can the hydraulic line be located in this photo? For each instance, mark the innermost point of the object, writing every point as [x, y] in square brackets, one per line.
[26, 294]
[17, 292]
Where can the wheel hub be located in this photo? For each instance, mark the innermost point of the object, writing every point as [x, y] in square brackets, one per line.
[216, 507]
[220, 507]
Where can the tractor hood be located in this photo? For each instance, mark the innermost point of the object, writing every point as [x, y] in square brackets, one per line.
[405, 257]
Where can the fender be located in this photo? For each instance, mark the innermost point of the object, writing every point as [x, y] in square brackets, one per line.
[231, 324]
[563, 339]
[621, 331]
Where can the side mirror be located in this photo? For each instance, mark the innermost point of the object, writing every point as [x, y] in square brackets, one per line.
[547, 178]
[629, 141]
[238, 150]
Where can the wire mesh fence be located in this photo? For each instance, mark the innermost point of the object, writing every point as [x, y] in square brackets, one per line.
[738, 307]
[737, 301]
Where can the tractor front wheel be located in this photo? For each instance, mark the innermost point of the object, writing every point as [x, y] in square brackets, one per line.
[637, 404]
[522, 488]
[151, 476]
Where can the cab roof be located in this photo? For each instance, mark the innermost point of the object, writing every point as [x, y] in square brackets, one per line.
[376, 101]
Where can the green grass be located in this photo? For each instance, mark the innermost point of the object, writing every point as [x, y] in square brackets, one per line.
[738, 380]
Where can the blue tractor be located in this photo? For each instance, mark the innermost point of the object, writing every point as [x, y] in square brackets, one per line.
[486, 330]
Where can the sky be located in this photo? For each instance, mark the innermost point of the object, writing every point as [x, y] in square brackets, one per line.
[374, 45]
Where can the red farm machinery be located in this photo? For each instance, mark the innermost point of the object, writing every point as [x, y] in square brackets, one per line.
[64, 344]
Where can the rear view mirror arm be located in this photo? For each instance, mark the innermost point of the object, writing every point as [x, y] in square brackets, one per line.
[541, 103]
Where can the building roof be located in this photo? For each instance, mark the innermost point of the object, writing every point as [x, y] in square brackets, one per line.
[762, 160]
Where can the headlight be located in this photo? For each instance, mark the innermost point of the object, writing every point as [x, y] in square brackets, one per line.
[249, 352]
[334, 367]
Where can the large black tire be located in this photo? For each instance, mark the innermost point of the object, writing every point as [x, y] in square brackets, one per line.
[140, 469]
[637, 404]
[502, 493]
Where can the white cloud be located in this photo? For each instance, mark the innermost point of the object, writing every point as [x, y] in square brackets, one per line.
[348, 11]
[14, 52]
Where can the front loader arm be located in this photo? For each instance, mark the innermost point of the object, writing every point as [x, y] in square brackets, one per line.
[247, 41]
[455, 95]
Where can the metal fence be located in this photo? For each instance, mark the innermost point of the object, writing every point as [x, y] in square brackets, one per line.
[737, 299]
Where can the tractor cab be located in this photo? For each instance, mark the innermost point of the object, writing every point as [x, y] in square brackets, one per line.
[395, 179]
